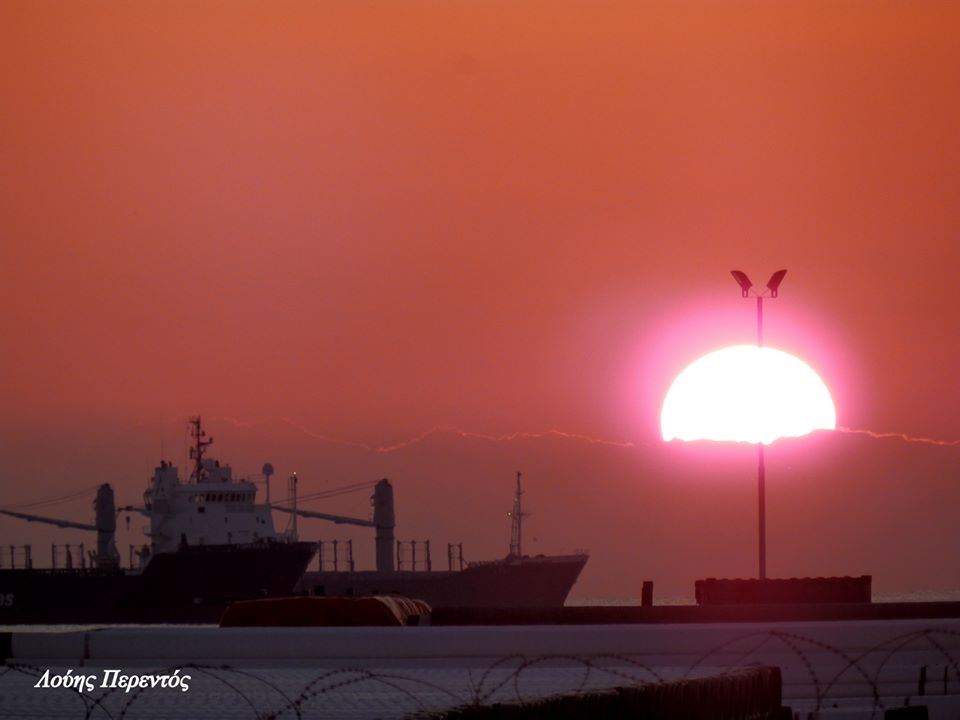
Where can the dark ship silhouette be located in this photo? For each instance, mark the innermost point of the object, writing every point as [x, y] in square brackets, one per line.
[516, 581]
[211, 543]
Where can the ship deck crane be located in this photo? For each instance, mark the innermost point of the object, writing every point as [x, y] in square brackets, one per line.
[49, 521]
[338, 519]
[105, 526]
[384, 521]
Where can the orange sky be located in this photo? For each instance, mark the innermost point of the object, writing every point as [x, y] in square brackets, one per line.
[374, 218]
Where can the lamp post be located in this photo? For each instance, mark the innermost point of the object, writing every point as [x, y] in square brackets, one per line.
[745, 291]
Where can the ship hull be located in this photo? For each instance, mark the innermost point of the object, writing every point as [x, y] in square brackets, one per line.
[192, 585]
[537, 582]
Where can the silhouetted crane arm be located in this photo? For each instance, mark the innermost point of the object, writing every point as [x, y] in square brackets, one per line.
[134, 508]
[49, 521]
[338, 519]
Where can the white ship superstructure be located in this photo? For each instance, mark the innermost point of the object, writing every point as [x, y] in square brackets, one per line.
[211, 509]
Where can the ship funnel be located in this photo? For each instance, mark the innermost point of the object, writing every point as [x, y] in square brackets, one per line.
[384, 519]
[106, 522]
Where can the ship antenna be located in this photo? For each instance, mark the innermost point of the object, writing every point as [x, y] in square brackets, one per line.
[516, 527]
[199, 447]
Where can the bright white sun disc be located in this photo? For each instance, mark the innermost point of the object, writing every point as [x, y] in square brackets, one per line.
[746, 393]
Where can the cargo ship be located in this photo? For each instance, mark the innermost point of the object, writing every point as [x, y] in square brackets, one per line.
[210, 543]
[515, 581]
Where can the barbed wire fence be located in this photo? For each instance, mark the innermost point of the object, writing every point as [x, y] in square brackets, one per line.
[816, 673]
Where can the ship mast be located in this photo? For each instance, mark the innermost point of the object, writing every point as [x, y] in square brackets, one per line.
[516, 528]
[199, 447]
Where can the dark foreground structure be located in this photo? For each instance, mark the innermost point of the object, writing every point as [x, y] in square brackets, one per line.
[752, 591]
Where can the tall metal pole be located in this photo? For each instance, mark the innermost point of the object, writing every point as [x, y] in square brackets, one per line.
[292, 496]
[761, 470]
[773, 286]
[759, 320]
[516, 526]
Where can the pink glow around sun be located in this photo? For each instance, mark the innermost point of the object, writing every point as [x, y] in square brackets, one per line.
[746, 393]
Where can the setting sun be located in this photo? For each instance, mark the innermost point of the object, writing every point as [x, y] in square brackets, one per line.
[746, 393]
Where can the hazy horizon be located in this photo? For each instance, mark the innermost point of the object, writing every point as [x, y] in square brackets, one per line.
[618, 501]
